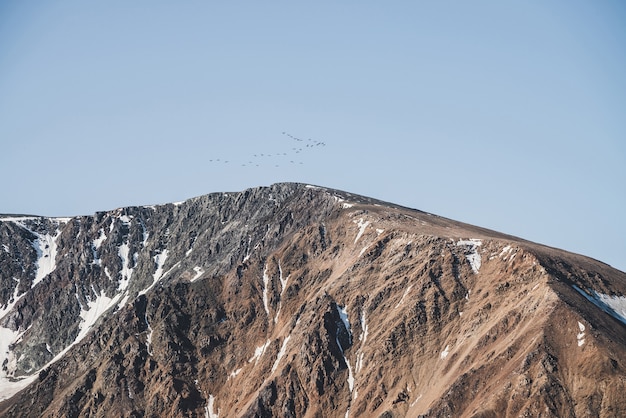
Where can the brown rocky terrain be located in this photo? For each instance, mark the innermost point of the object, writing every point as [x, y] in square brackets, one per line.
[301, 301]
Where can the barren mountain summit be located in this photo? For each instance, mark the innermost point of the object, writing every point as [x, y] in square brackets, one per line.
[301, 301]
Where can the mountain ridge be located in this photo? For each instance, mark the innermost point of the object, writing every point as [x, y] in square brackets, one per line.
[384, 302]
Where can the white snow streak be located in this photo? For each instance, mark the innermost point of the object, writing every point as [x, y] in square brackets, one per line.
[406, 292]
[415, 401]
[123, 301]
[343, 314]
[362, 226]
[144, 291]
[283, 282]
[148, 336]
[247, 257]
[363, 338]
[126, 271]
[210, 408]
[159, 259]
[266, 281]
[364, 327]
[580, 337]
[281, 353]
[283, 286]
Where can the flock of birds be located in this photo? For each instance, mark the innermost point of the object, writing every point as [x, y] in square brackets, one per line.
[293, 156]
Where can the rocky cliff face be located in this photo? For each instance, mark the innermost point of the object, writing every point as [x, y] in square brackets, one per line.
[301, 301]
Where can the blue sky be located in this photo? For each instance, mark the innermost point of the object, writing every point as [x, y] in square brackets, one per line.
[508, 116]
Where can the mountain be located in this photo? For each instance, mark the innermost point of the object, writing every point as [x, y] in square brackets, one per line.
[301, 301]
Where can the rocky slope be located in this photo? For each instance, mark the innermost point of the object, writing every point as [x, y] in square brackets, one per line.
[294, 300]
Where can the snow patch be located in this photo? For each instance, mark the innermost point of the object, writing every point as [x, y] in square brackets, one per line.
[94, 311]
[612, 305]
[343, 314]
[199, 272]
[616, 304]
[96, 244]
[9, 386]
[234, 373]
[258, 352]
[445, 352]
[14, 299]
[46, 248]
[505, 252]
[415, 401]
[472, 252]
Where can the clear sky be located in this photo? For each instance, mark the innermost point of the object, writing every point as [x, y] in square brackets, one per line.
[507, 115]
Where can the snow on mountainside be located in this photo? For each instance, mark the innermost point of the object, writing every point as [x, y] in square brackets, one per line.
[299, 300]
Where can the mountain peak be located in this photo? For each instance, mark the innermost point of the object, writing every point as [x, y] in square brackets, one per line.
[300, 300]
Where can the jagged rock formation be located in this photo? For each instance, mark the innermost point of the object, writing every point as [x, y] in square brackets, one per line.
[301, 301]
